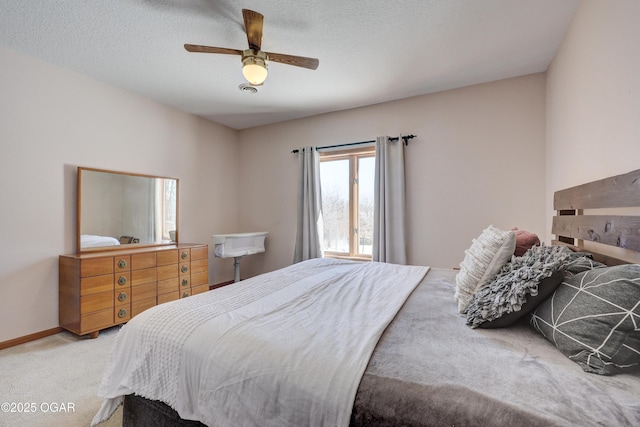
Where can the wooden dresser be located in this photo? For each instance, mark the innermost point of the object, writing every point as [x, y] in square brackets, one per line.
[98, 290]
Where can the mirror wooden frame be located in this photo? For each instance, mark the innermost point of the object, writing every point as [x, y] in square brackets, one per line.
[80, 208]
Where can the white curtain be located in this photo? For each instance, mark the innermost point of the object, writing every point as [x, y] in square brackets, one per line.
[388, 202]
[309, 229]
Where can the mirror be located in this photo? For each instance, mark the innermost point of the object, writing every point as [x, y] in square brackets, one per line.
[118, 208]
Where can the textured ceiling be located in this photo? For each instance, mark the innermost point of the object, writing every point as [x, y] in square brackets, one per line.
[369, 51]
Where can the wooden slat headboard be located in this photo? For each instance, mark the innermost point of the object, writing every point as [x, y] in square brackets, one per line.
[571, 226]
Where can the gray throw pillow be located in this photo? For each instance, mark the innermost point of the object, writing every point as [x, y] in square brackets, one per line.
[518, 288]
[594, 319]
[545, 288]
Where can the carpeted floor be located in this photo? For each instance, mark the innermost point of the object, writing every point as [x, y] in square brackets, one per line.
[54, 381]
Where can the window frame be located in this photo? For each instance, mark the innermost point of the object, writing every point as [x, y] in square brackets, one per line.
[353, 155]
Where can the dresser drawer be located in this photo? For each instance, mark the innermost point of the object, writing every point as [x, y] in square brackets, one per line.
[140, 277]
[185, 268]
[138, 307]
[148, 290]
[199, 266]
[95, 321]
[199, 289]
[185, 282]
[167, 257]
[168, 297]
[201, 252]
[122, 263]
[140, 261]
[96, 267]
[121, 314]
[122, 279]
[167, 272]
[96, 302]
[200, 279]
[96, 284]
[122, 296]
[167, 286]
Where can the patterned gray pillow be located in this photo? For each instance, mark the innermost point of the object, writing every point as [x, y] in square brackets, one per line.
[579, 262]
[594, 319]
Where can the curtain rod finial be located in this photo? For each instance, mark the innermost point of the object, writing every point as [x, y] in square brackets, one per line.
[406, 138]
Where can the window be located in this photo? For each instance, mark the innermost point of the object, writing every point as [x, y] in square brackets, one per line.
[165, 211]
[169, 212]
[346, 179]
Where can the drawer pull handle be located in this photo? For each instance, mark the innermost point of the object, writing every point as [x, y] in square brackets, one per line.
[122, 280]
[184, 295]
[185, 282]
[185, 255]
[122, 263]
[185, 268]
[122, 313]
[122, 297]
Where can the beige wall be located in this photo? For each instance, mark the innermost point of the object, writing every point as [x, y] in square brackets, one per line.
[53, 120]
[479, 159]
[593, 97]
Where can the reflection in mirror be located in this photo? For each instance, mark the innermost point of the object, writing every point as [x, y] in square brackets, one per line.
[116, 208]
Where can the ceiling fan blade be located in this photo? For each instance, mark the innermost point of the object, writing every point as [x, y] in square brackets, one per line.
[253, 22]
[211, 49]
[298, 61]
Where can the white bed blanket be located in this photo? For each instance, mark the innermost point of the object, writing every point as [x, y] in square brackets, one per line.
[94, 241]
[287, 348]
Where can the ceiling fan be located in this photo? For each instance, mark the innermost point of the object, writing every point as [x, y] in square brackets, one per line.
[254, 60]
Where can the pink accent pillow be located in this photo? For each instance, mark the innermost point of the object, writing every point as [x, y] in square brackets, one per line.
[524, 240]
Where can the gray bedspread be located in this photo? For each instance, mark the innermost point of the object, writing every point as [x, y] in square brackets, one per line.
[430, 369]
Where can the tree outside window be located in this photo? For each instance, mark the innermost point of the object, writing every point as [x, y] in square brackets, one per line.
[347, 202]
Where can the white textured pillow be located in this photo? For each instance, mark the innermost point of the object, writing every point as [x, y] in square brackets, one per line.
[482, 261]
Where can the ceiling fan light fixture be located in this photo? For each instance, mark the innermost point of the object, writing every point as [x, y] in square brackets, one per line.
[254, 66]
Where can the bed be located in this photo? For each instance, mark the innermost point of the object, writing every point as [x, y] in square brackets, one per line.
[430, 356]
[95, 241]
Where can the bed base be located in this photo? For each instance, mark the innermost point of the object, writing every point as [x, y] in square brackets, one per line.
[141, 412]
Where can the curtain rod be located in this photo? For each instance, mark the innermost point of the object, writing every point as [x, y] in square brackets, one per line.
[405, 138]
